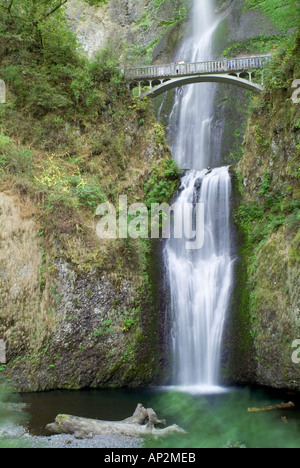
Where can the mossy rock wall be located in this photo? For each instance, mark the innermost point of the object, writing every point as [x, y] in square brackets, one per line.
[137, 26]
[265, 318]
[77, 311]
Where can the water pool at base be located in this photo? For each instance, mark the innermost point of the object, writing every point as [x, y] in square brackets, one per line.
[210, 418]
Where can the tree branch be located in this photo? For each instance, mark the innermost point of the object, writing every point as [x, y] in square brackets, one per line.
[3, 7]
[8, 10]
[56, 8]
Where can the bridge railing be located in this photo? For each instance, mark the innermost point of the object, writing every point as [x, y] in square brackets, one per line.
[186, 69]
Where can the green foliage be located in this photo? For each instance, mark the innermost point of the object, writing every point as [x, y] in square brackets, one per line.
[105, 329]
[57, 201]
[90, 193]
[48, 77]
[68, 135]
[95, 2]
[286, 16]
[163, 184]
[260, 220]
[158, 3]
[13, 158]
[11, 416]
[55, 94]
[150, 17]
[265, 184]
[284, 13]
[275, 209]
[131, 318]
[32, 11]
[258, 45]
[67, 186]
[223, 422]
[249, 213]
[260, 138]
[277, 73]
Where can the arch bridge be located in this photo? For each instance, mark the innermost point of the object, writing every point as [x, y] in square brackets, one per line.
[161, 78]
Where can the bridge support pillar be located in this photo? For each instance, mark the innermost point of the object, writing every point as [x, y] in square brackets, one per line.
[2, 92]
[250, 76]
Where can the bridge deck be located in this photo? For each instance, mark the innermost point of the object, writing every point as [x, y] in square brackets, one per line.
[189, 69]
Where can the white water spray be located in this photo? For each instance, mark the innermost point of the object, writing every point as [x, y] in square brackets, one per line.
[200, 281]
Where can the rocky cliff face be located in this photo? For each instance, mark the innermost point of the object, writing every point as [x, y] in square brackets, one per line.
[135, 25]
[152, 30]
[98, 26]
[266, 313]
[77, 311]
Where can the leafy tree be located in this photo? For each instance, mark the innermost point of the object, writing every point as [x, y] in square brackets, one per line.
[49, 78]
[33, 15]
[36, 8]
[284, 13]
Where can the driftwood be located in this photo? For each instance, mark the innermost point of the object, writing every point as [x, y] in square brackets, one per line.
[140, 424]
[272, 408]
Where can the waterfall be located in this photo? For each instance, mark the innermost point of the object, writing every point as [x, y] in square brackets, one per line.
[192, 112]
[199, 280]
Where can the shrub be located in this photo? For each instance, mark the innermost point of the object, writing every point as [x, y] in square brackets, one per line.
[13, 158]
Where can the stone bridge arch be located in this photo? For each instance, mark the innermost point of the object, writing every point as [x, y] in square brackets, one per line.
[225, 79]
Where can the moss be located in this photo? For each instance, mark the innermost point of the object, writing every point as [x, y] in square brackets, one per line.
[60, 418]
[113, 155]
[266, 212]
[258, 45]
[238, 364]
[164, 17]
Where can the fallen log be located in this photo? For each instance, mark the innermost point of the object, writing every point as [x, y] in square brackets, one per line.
[272, 408]
[140, 424]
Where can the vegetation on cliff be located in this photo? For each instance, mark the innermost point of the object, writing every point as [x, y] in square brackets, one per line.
[82, 313]
[269, 216]
[284, 15]
[165, 15]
